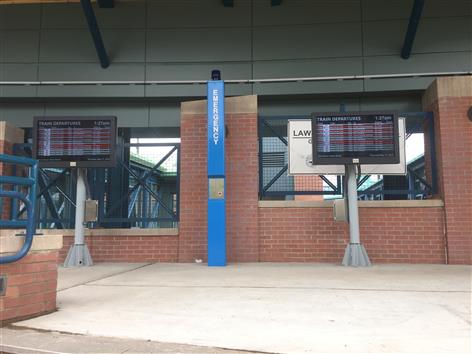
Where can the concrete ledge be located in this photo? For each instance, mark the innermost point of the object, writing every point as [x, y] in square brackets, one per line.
[430, 203]
[233, 105]
[450, 86]
[363, 204]
[117, 232]
[295, 204]
[9, 243]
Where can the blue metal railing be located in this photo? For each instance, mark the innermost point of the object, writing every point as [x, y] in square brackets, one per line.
[146, 197]
[28, 199]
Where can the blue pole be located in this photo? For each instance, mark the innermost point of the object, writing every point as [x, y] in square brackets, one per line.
[216, 172]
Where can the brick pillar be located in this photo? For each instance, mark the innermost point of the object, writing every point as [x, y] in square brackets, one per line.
[241, 180]
[242, 168]
[450, 98]
[31, 282]
[193, 182]
[9, 135]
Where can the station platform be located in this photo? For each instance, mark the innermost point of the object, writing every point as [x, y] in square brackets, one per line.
[255, 307]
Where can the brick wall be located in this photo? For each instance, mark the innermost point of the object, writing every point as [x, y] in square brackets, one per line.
[124, 248]
[403, 235]
[449, 99]
[300, 235]
[390, 235]
[31, 287]
[30, 282]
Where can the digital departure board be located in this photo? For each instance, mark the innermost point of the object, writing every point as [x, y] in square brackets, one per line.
[347, 138]
[74, 141]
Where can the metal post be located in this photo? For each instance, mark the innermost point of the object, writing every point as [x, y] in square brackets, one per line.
[353, 206]
[79, 211]
[411, 185]
[79, 254]
[144, 204]
[432, 146]
[355, 254]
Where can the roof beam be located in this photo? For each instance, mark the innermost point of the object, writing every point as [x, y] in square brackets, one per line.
[95, 32]
[412, 27]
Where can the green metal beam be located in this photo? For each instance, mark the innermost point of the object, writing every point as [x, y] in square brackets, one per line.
[95, 33]
[412, 27]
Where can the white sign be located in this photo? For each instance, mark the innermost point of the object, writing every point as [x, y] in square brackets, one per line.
[300, 150]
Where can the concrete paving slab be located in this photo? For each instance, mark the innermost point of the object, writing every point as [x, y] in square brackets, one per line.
[70, 277]
[26, 341]
[282, 308]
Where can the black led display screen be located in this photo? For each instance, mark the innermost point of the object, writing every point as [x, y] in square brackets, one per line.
[346, 138]
[74, 141]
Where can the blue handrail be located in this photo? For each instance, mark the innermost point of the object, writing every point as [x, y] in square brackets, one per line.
[29, 200]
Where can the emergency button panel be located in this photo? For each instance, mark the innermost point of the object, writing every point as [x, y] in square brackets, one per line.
[216, 188]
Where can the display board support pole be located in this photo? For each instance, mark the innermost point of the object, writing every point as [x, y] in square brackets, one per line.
[79, 254]
[355, 254]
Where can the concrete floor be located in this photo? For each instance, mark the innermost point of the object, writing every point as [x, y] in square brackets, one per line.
[280, 308]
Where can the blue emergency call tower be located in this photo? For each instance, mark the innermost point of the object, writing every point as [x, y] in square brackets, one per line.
[216, 171]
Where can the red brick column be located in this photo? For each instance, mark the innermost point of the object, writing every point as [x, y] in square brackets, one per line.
[32, 281]
[450, 98]
[241, 179]
[242, 176]
[9, 135]
[193, 182]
